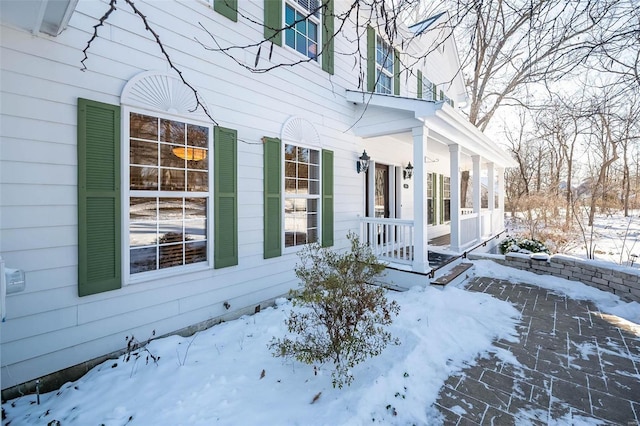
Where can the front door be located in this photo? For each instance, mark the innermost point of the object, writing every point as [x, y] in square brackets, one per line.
[381, 200]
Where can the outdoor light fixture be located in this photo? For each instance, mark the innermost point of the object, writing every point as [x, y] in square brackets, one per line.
[191, 154]
[363, 163]
[408, 171]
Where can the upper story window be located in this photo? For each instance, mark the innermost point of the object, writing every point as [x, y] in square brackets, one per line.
[429, 89]
[384, 66]
[302, 20]
[168, 192]
[301, 195]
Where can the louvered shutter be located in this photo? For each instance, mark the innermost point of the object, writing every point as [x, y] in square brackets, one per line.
[225, 197]
[327, 37]
[371, 59]
[327, 198]
[99, 221]
[272, 198]
[273, 23]
[227, 8]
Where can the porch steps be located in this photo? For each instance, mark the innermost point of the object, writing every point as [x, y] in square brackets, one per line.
[455, 275]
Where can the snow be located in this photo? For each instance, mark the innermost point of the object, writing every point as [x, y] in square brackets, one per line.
[226, 374]
[215, 375]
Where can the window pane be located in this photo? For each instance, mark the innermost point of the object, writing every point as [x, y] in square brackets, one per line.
[171, 255]
[290, 38]
[290, 186]
[142, 260]
[301, 44]
[314, 187]
[195, 252]
[303, 155]
[197, 136]
[314, 172]
[197, 181]
[143, 127]
[143, 178]
[303, 171]
[312, 235]
[170, 232]
[290, 152]
[197, 158]
[312, 205]
[172, 180]
[143, 233]
[172, 131]
[170, 208]
[142, 209]
[290, 169]
[289, 15]
[143, 153]
[314, 156]
[303, 186]
[195, 208]
[195, 230]
[172, 155]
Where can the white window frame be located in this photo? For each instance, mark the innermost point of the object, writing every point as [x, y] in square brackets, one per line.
[295, 248]
[317, 20]
[381, 44]
[127, 194]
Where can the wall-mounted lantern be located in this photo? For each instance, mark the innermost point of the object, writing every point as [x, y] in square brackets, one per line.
[363, 163]
[408, 171]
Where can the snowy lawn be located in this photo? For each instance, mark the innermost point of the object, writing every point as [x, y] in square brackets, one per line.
[226, 374]
[220, 380]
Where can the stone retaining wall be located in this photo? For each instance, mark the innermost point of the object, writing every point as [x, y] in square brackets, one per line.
[619, 280]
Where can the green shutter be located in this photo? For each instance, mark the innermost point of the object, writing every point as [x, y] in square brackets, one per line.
[327, 37]
[227, 8]
[434, 91]
[441, 199]
[225, 197]
[273, 23]
[371, 59]
[272, 198]
[419, 84]
[396, 72]
[327, 198]
[99, 220]
[434, 186]
[442, 95]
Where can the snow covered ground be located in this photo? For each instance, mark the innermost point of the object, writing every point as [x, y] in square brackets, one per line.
[226, 374]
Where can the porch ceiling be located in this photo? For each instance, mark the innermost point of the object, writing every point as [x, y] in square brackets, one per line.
[47, 16]
[380, 115]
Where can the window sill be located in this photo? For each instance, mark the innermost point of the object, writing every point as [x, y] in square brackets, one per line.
[143, 277]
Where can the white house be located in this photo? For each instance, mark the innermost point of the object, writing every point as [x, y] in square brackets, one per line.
[130, 210]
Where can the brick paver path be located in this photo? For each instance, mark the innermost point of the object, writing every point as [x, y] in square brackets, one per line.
[573, 365]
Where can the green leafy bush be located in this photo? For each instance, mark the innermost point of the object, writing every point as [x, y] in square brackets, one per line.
[522, 245]
[341, 317]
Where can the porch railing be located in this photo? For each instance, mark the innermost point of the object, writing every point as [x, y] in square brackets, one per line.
[468, 225]
[390, 239]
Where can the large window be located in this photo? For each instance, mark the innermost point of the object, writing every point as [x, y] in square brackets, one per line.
[168, 193]
[384, 66]
[302, 20]
[301, 195]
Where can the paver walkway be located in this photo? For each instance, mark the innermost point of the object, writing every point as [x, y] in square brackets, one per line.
[573, 365]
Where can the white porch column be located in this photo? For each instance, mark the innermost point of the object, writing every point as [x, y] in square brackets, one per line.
[491, 195]
[454, 170]
[420, 252]
[477, 195]
[501, 194]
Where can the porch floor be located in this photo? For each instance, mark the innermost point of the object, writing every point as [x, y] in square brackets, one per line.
[442, 240]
